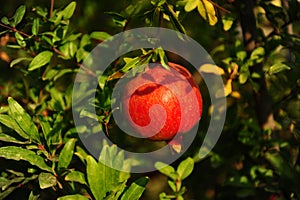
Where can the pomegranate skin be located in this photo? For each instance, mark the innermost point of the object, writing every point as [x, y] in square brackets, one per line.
[160, 103]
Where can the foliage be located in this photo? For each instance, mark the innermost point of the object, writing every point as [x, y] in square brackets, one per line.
[255, 45]
[184, 169]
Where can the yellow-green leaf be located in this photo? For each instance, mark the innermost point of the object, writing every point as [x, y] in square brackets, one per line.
[191, 5]
[12, 124]
[40, 60]
[227, 23]
[211, 69]
[207, 11]
[76, 176]
[96, 178]
[47, 180]
[23, 119]
[166, 170]
[226, 91]
[66, 154]
[18, 153]
[100, 35]
[69, 10]
[278, 67]
[136, 189]
[73, 197]
[20, 12]
[185, 168]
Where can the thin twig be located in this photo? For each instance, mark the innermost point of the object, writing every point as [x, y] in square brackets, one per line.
[219, 7]
[14, 30]
[51, 8]
[90, 72]
[58, 52]
[27, 35]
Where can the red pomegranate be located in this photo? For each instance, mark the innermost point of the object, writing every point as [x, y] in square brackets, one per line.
[160, 103]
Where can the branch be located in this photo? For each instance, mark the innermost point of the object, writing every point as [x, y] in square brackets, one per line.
[219, 7]
[51, 8]
[263, 105]
[14, 30]
[90, 72]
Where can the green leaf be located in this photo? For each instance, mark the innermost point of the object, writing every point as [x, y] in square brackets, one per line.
[18, 60]
[116, 191]
[54, 74]
[172, 185]
[9, 190]
[158, 3]
[243, 77]
[72, 37]
[278, 67]
[100, 35]
[52, 133]
[106, 165]
[18, 153]
[34, 195]
[41, 11]
[19, 14]
[174, 18]
[66, 154]
[81, 54]
[3, 32]
[185, 168]
[73, 197]
[117, 18]
[5, 20]
[257, 54]
[191, 5]
[81, 154]
[7, 138]
[96, 178]
[23, 119]
[69, 10]
[12, 181]
[130, 63]
[76, 176]
[3, 181]
[35, 26]
[100, 175]
[166, 170]
[46, 128]
[136, 189]
[163, 58]
[20, 39]
[85, 40]
[40, 60]
[241, 55]
[13, 46]
[47, 180]
[12, 124]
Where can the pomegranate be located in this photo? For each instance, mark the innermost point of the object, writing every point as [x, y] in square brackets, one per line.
[159, 103]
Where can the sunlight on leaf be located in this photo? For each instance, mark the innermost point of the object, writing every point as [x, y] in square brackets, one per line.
[207, 12]
[212, 69]
[278, 67]
[191, 5]
[226, 91]
[227, 23]
[40, 60]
